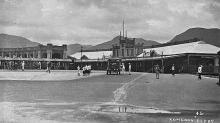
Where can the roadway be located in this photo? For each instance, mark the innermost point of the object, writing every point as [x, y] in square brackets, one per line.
[97, 98]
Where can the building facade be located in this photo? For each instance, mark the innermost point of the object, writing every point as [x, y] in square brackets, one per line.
[127, 48]
[49, 51]
[186, 56]
[35, 57]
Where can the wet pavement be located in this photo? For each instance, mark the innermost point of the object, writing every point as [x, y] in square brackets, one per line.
[136, 98]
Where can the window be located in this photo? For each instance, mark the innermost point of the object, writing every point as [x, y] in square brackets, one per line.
[114, 53]
[122, 52]
[127, 52]
[132, 52]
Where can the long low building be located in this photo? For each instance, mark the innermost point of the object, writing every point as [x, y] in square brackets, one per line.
[198, 47]
[92, 55]
[186, 56]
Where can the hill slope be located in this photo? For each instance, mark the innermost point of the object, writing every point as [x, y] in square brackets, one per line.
[12, 41]
[108, 44]
[73, 48]
[210, 36]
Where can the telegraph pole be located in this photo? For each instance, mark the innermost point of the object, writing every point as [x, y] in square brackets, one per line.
[218, 68]
[162, 63]
[123, 28]
[81, 55]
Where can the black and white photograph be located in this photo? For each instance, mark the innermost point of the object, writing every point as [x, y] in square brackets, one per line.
[109, 61]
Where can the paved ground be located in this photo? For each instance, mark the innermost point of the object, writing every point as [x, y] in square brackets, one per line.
[179, 99]
[42, 75]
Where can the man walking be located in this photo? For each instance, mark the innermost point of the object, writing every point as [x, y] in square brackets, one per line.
[39, 63]
[22, 65]
[129, 68]
[199, 72]
[123, 68]
[173, 70]
[157, 71]
[78, 68]
[48, 66]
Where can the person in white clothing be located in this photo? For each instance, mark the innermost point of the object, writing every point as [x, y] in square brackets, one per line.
[39, 63]
[22, 65]
[129, 68]
[200, 72]
[123, 68]
[173, 70]
[78, 68]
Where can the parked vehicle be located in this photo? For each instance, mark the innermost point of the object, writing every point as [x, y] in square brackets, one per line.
[114, 66]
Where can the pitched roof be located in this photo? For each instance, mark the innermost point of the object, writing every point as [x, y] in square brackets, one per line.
[194, 47]
[93, 55]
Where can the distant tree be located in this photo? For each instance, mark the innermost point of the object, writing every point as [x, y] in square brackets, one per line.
[84, 57]
[153, 53]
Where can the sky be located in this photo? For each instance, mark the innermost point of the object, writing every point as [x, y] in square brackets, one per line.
[96, 21]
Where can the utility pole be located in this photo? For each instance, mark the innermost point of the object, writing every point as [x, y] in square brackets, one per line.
[218, 68]
[162, 63]
[123, 28]
[81, 55]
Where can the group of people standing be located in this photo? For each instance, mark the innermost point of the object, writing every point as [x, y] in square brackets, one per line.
[86, 70]
[158, 70]
[173, 70]
[123, 68]
[22, 65]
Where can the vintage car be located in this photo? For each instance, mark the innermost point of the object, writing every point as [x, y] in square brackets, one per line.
[114, 66]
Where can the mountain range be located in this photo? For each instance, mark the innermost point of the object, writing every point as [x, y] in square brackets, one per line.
[210, 36]
[108, 44]
[73, 48]
[12, 41]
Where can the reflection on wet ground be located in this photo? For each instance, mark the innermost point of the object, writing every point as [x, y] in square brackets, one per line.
[98, 112]
[111, 99]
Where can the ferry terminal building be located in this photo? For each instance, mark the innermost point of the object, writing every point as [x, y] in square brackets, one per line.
[185, 55]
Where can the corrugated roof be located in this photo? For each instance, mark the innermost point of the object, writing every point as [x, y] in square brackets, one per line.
[93, 55]
[194, 47]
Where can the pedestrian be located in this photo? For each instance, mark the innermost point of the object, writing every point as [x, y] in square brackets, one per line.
[22, 65]
[90, 69]
[123, 68]
[48, 66]
[173, 70]
[157, 71]
[10, 65]
[199, 72]
[84, 71]
[39, 63]
[78, 68]
[129, 68]
[182, 69]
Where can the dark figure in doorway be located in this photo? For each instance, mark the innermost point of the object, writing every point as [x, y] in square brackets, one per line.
[157, 70]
